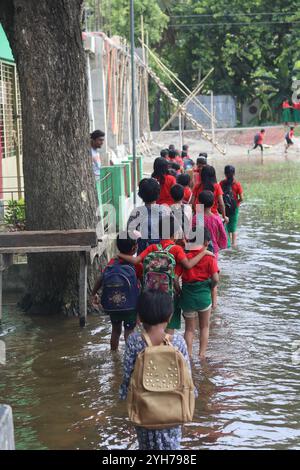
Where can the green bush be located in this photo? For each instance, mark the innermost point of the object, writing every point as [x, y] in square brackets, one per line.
[15, 214]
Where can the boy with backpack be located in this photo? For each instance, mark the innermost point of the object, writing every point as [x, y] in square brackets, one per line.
[120, 289]
[233, 196]
[157, 378]
[258, 141]
[145, 218]
[289, 139]
[163, 262]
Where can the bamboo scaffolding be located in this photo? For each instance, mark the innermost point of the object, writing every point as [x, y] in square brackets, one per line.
[176, 103]
[186, 101]
[181, 87]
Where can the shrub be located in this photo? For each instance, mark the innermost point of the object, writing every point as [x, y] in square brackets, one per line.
[15, 214]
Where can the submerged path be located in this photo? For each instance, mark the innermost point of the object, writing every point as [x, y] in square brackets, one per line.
[62, 381]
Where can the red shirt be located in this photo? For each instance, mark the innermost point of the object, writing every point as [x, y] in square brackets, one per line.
[296, 105]
[291, 134]
[203, 271]
[177, 160]
[261, 136]
[187, 194]
[217, 192]
[138, 267]
[237, 190]
[176, 251]
[165, 187]
[286, 104]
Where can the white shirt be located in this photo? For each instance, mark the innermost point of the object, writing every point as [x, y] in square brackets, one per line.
[96, 161]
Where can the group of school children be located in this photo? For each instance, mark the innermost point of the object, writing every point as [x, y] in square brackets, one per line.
[163, 271]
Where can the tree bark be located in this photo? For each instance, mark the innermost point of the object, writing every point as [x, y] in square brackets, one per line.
[45, 37]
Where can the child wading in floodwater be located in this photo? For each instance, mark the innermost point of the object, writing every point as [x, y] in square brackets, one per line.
[154, 310]
[199, 291]
[233, 196]
[120, 290]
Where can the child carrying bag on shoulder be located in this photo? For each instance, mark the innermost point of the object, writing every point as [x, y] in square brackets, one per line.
[161, 391]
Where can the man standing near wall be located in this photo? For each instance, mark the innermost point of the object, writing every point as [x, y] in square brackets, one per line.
[97, 140]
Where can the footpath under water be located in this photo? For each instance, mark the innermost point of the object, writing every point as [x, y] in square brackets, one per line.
[62, 381]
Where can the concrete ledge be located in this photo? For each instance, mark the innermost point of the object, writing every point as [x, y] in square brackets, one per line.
[7, 440]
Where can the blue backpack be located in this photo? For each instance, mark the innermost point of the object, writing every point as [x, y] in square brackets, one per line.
[120, 287]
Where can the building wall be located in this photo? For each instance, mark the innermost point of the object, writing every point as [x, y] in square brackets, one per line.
[10, 182]
[224, 109]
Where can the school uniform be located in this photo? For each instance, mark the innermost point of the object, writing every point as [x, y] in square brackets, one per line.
[286, 112]
[237, 190]
[128, 317]
[165, 188]
[296, 112]
[187, 195]
[196, 285]
[289, 136]
[217, 192]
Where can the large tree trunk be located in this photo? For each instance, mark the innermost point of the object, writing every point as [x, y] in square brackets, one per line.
[45, 37]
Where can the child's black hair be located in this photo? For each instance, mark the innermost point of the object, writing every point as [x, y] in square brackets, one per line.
[160, 168]
[229, 172]
[154, 307]
[164, 153]
[206, 198]
[184, 179]
[172, 153]
[185, 148]
[208, 177]
[172, 172]
[177, 192]
[171, 147]
[184, 154]
[125, 243]
[201, 161]
[149, 190]
[174, 166]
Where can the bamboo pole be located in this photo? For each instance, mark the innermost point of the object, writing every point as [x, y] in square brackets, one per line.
[180, 87]
[180, 130]
[186, 101]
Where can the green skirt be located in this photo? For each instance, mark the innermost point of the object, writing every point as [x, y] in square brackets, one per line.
[175, 322]
[296, 115]
[196, 296]
[286, 115]
[231, 227]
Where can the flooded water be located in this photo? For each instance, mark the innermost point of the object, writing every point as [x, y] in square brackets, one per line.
[62, 381]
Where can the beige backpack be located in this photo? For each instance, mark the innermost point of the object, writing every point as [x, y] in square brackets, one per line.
[161, 390]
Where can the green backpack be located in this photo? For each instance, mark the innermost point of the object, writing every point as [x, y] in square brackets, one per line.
[159, 270]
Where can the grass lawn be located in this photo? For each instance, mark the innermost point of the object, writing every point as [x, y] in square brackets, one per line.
[275, 191]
